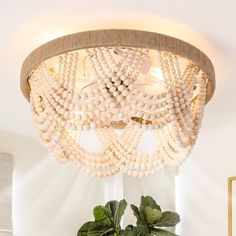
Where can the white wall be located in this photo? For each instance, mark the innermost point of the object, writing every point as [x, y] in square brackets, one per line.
[202, 183]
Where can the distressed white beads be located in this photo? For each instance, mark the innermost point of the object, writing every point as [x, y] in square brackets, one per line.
[114, 97]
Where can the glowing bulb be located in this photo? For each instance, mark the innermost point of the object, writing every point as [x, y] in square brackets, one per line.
[156, 72]
[55, 68]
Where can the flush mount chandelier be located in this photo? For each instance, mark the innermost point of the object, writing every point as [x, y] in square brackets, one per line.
[118, 84]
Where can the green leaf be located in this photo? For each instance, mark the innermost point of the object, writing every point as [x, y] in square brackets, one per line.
[152, 215]
[130, 230]
[137, 214]
[112, 207]
[142, 230]
[117, 210]
[168, 219]
[162, 232]
[102, 214]
[148, 201]
[120, 212]
[97, 229]
[83, 231]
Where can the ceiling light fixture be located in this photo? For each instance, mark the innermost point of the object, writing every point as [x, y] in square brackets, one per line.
[107, 80]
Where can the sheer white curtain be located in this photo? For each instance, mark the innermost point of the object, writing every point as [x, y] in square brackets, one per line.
[6, 168]
[53, 199]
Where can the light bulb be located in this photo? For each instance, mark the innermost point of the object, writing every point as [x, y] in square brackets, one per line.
[156, 72]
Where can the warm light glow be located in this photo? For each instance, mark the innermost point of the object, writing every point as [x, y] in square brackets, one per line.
[99, 90]
[156, 72]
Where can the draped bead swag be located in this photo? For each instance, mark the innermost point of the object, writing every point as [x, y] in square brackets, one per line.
[110, 88]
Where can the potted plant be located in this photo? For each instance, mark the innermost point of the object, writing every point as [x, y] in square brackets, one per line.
[150, 220]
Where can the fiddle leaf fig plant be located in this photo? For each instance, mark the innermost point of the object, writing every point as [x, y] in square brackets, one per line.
[150, 220]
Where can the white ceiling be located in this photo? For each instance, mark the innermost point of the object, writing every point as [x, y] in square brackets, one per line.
[27, 24]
